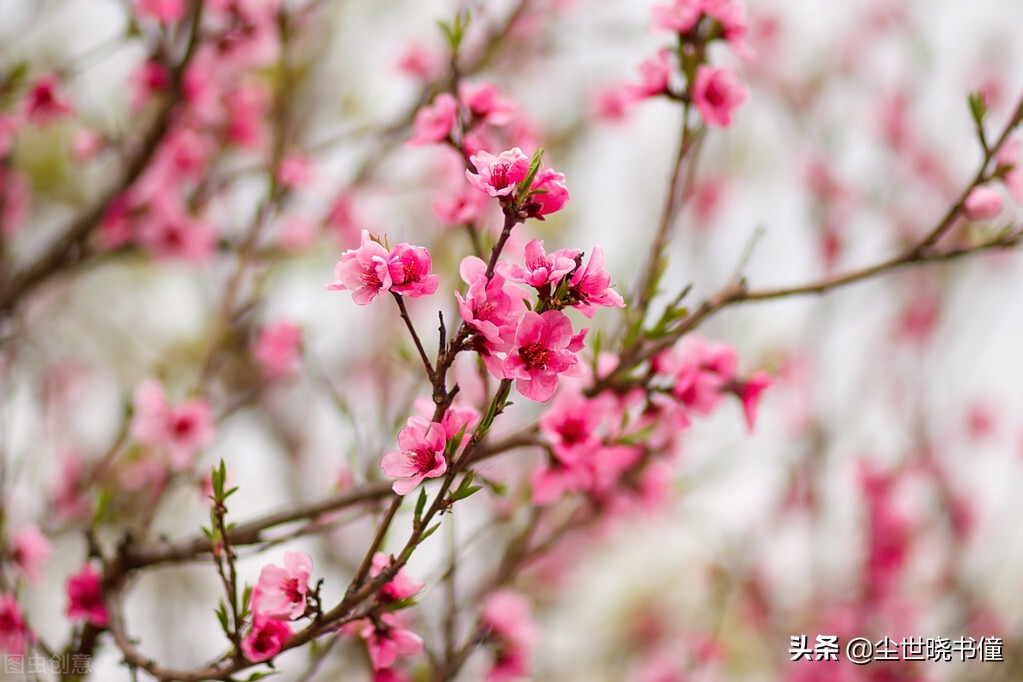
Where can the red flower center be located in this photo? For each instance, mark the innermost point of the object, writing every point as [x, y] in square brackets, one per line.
[534, 355]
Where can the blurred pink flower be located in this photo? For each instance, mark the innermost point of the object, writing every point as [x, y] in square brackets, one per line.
[717, 92]
[434, 122]
[45, 102]
[85, 596]
[277, 349]
[982, 203]
[400, 587]
[14, 632]
[30, 551]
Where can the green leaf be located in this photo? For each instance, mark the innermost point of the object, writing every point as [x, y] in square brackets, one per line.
[429, 531]
[420, 504]
[978, 108]
[534, 168]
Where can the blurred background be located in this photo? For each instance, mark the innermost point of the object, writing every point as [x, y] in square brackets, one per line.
[876, 497]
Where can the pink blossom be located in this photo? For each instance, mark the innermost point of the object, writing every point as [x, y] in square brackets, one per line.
[551, 193]
[702, 370]
[277, 349]
[544, 348]
[30, 551]
[170, 233]
[717, 92]
[541, 269]
[570, 425]
[266, 638]
[410, 271]
[364, 271]
[591, 286]
[420, 455]
[731, 15]
[679, 17]
[612, 103]
[982, 203]
[464, 208]
[400, 587]
[488, 307]
[750, 395]
[654, 76]
[45, 102]
[150, 78]
[434, 122]
[85, 595]
[296, 171]
[485, 103]
[14, 632]
[509, 618]
[86, 145]
[181, 430]
[281, 593]
[386, 640]
[419, 62]
[164, 11]
[499, 175]
[245, 110]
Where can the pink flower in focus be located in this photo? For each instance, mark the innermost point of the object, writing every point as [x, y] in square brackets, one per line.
[488, 307]
[982, 203]
[434, 122]
[45, 103]
[655, 74]
[30, 552]
[385, 641]
[410, 271]
[13, 630]
[85, 595]
[164, 11]
[551, 196]
[281, 593]
[364, 271]
[591, 286]
[544, 349]
[541, 269]
[498, 175]
[420, 455]
[717, 92]
[266, 638]
[679, 17]
[400, 587]
[750, 396]
[277, 349]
